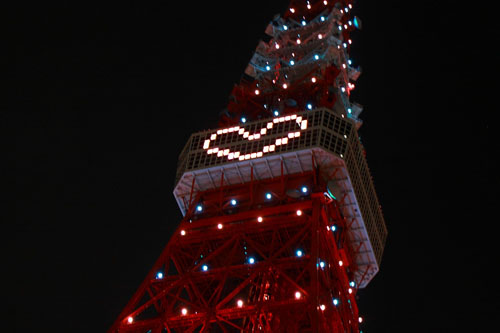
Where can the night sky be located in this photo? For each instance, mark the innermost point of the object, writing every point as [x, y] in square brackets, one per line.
[103, 98]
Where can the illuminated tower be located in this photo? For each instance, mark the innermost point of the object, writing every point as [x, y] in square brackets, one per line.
[281, 223]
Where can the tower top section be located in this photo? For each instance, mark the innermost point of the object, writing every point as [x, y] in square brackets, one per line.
[301, 63]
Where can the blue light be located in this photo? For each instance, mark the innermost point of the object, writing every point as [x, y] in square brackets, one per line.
[304, 22]
[349, 62]
[251, 260]
[233, 202]
[292, 62]
[276, 113]
[335, 301]
[322, 19]
[309, 106]
[299, 253]
[269, 196]
[316, 57]
[322, 264]
[268, 68]
[285, 27]
[199, 208]
[243, 120]
[159, 275]
[204, 268]
[333, 228]
[349, 110]
[356, 23]
[304, 189]
[352, 284]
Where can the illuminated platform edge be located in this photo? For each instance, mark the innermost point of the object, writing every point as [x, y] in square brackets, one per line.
[330, 141]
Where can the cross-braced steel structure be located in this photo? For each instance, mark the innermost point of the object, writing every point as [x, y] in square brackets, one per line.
[281, 220]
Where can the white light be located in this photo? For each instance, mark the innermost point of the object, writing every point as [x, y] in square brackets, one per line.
[343, 89]
[285, 86]
[322, 18]
[322, 264]
[299, 253]
[292, 10]
[345, 136]
[276, 113]
[240, 303]
[159, 275]
[285, 27]
[297, 295]
[304, 189]
[349, 62]
[292, 62]
[309, 106]
[316, 57]
[130, 320]
[349, 110]
[325, 2]
[349, 41]
[233, 202]
[257, 91]
[340, 28]
[219, 226]
[304, 22]
[350, 291]
[184, 311]
[183, 232]
[335, 301]
[347, 10]
[243, 120]
[322, 307]
[345, 26]
[345, 45]
[260, 219]
[268, 68]
[352, 284]
[320, 36]
[360, 319]
[333, 228]
[308, 6]
[199, 208]
[313, 80]
[350, 6]
[204, 268]
[344, 66]
[299, 212]
[251, 260]
[341, 262]
[298, 41]
[277, 46]
[269, 196]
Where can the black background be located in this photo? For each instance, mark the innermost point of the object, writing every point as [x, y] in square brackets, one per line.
[103, 98]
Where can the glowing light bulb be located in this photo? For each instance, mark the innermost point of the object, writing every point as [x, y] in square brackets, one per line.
[313, 80]
[204, 268]
[184, 311]
[299, 253]
[159, 276]
[309, 106]
[322, 307]
[292, 10]
[304, 189]
[297, 295]
[352, 284]
[322, 264]
[260, 219]
[251, 260]
[325, 2]
[298, 40]
[285, 27]
[360, 319]
[341, 263]
[183, 232]
[349, 62]
[269, 196]
[277, 46]
[333, 228]
[322, 18]
[257, 91]
[240, 303]
[276, 113]
[349, 110]
[233, 202]
[292, 62]
[320, 36]
[243, 120]
[285, 85]
[219, 226]
[199, 208]
[316, 57]
[299, 212]
[335, 301]
[130, 320]
[304, 22]
[349, 290]
[340, 28]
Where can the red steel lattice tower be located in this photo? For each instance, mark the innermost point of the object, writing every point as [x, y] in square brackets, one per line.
[281, 223]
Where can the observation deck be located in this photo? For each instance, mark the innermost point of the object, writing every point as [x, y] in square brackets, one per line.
[300, 142]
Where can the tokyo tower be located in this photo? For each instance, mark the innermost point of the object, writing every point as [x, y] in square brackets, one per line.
[281, 224]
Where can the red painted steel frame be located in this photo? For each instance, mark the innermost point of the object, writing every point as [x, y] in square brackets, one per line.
[267, 288]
